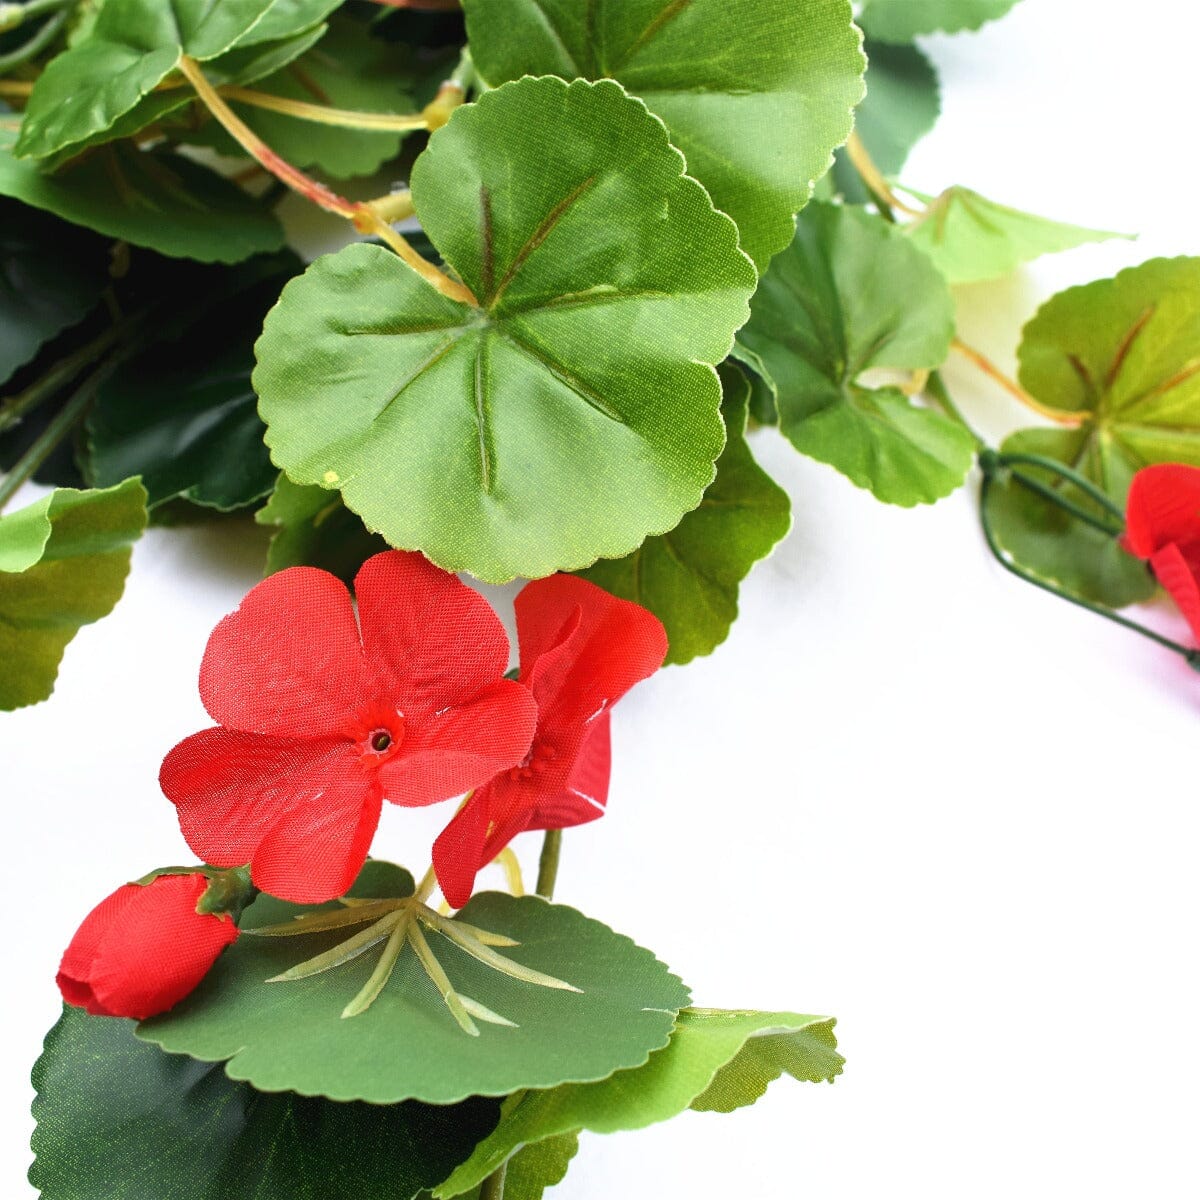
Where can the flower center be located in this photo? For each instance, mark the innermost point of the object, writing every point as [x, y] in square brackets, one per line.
[381, 739]
[380, 735]
[540, 756]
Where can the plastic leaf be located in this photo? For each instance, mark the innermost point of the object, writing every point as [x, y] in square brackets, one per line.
[42, 294]
[971, 238]
[571, 414]
[902, 105]
[757, 105]
[534, 1168]
[63, 562]
[716, 1060]
[689, 578]
[850, 295]
[903, 20]
[117, 1117]
[291, 1035]
[1121, 356]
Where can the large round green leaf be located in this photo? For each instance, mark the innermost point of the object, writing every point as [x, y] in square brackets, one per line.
[852, 294]
[119, 1118]
[291, 1035]
[572, 412]
[756, 100]
[903, 20]
[1121, 357]
[689, 578]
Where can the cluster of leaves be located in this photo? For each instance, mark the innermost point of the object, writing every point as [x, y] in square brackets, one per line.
[646, 235]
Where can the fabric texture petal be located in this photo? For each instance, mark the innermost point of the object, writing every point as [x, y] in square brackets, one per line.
[1178, 576]
[288, 661]
[1163, 507]
[458, 850]
[301, 813]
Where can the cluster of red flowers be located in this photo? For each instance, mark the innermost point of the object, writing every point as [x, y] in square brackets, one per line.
[322, 716]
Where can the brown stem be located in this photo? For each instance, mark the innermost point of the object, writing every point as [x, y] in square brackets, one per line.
[1014, 389]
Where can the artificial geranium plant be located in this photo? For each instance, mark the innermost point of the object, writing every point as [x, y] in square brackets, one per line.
[599, 244]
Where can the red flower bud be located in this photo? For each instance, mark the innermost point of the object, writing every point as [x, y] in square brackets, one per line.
[143, 949]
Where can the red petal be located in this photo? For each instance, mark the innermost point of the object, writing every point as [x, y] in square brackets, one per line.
[1177, 575]
[585, 794]
[430, 640]
[302, 813]
[451, 752]
[288, 661]
[458, 850]
[1163, 507]
[578, 667]
[153, 948]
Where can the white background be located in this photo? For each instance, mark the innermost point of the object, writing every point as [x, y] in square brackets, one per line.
[909, 791]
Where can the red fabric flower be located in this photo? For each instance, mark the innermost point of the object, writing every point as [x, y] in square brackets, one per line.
[581, 651]
[322, 719]
[1162, 525]
[143, 949]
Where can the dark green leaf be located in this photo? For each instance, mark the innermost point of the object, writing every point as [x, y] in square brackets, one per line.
[63, 562]
[42, 293]
[902, 105]
[291, 1035]
[570, 414]
[117, 1117]
[851, 295]
[756, 102]
[903, 20]
[689, 578]
[315, 529]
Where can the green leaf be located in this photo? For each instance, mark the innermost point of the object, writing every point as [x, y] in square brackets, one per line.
[348, 69]
[1121, 356]
[689, 577]
[133, 47]
[285, 19]
[149, 198]
[850, 295]
[534, 1168]
[972, 239]
[903, 20]
[756, 102]
[183, 415]
[117, 1117]
[291, 1035]
[42, 294]
[63, 562]
[571, 414]
[315, 529]
[716, 1060]
[902, 105]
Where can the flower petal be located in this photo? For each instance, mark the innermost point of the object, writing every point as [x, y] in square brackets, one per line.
[288, 661]
[586, 793]
[1163, 507]
[1178, 576]
[430, 640]
[302, 813]
[458, 849]
[461, 748]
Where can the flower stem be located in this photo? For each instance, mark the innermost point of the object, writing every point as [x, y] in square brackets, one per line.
[1191, 655]
[1073, 477]
[1015, 390]
[493, 1185]
[1060, 501]
[42, 38]
[874, 181]
[548, 863]
[935, 385]
[324, 115]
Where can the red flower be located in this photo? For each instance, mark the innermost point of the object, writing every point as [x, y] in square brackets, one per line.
[321, 720]
[1163, 526]
[581, 651]
[143, 949]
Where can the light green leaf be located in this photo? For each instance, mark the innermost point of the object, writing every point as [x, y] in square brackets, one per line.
[902, 105]
[972, 239]
[689, 577]
[149, 198]
[1122, 356]
[117, 1117]
[903, 20]
[134, 45]
[756, 101]
[42, 294]
[315, 529]
[63, 562]
[534, 1168]
[291, 1035]
[850, 295]
[714, 1061]
[575, 410]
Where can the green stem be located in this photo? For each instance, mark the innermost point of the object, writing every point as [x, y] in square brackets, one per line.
[1055, 467]
[1192, 656]
[548, 863]
[493, 1185]
[936, 387]
[1059, 500]
[40, 40]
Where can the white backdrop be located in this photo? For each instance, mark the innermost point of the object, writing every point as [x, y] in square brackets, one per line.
[909, 791]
